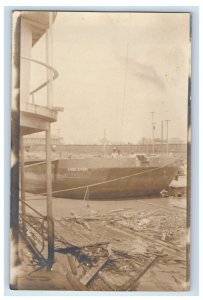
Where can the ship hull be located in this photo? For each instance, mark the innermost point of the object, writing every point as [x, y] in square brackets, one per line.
[105, 179]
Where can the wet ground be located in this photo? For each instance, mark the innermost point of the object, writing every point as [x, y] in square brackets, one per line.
[115, 245]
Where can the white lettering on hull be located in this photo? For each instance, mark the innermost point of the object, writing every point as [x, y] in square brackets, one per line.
[77, 169]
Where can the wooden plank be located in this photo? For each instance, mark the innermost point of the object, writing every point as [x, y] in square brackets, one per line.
[72, 264]
[72, 238]
[76, 285]
[96, 244]
[93, 272]
[130, 284]
[166, 246]
[120, 210]
[50, 221]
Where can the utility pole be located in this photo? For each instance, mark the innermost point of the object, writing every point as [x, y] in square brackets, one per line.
[167, 130]
[162, 134]
[153, 129]
[104, 143]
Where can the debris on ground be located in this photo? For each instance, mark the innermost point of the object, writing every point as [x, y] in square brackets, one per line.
[119, 249]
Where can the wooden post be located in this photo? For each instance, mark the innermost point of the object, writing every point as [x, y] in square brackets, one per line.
[48, 147]
[49, 59]
[49, 201]
[22, 179]
[88, 198]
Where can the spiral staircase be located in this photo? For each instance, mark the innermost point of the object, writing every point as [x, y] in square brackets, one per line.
[35, 117]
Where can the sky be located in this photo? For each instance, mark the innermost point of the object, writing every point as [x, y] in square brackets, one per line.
[114, 70]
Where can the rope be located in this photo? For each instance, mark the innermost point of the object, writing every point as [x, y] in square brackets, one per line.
[38, 163]
[86, 197]
[108, 181]
[86, 193]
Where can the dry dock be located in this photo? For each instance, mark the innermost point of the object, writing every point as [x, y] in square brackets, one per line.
[126, 245]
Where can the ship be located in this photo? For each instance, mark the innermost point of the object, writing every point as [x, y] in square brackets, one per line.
[102, 178]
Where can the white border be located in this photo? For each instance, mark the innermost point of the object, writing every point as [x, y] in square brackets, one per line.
[84, 3]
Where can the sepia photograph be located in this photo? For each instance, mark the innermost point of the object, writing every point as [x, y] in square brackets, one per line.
[100, 158]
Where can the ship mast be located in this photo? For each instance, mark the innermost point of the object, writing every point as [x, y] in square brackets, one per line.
[104, 143]
[167, 130]
[153, 130]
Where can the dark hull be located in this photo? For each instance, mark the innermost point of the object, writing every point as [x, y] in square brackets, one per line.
[105, 179]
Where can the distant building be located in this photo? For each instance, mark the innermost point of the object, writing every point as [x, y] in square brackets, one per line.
[176, 140]
[104, 141]
[148, 141]
[145, 141]
[39, 139]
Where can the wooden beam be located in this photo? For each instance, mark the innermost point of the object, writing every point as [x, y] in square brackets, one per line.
[50, 221]
[31, 122]
[93, 272]
[48, 146]
[130, 284]
[169, 248]
[75, 284]
[22, 179]
[72, 263]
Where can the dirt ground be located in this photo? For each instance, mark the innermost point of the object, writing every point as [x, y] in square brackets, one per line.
[112, 245]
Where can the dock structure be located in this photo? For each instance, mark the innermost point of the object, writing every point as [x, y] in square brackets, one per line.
[34, 117]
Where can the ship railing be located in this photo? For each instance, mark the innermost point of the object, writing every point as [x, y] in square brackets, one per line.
[52, 76]
[36, 237]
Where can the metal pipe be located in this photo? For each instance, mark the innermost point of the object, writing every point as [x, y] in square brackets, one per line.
[52, 69]
[33, 227]
[25, 203]
[33, 248]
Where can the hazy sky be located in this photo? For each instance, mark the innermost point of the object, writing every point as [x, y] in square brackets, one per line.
[114, 69]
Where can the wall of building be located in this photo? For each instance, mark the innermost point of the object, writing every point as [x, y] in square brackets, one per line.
[25, 50]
